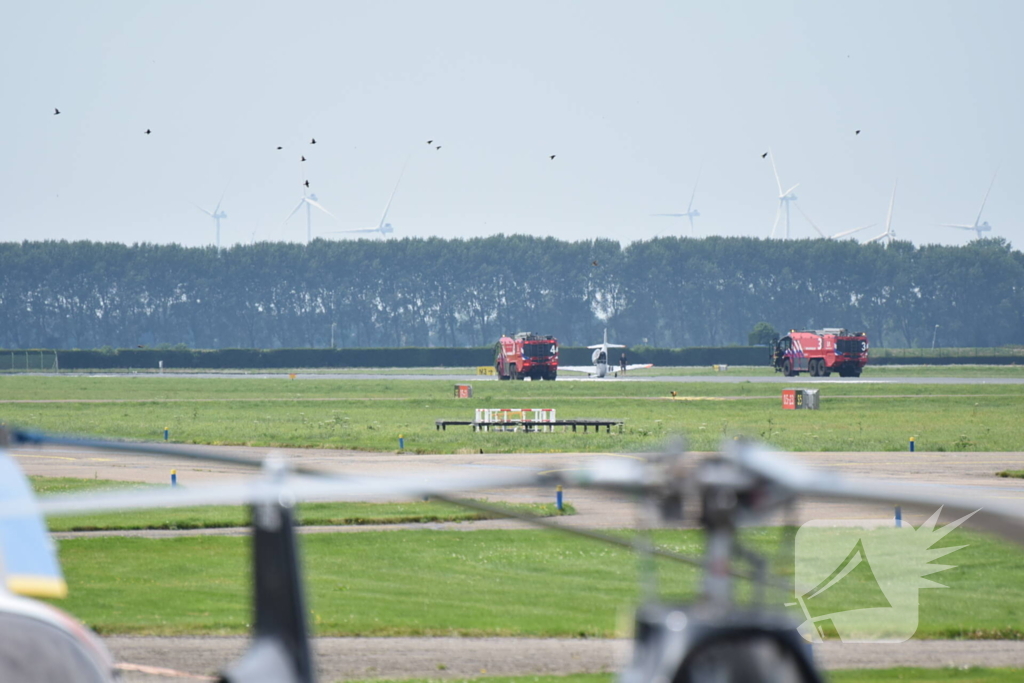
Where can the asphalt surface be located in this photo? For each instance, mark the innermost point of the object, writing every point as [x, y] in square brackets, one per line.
[721, 378]
[967, 476]
[396, 658]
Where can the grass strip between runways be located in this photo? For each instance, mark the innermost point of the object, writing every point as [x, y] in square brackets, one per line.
[473, 583]
[370, 415]
[309, 514]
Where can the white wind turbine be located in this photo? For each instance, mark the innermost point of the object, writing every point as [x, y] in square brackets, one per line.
[217, 215]
[383, 227]
[838, 235]
[784, 197]
[691, 213]
[309, 202]
[889, 235]
[978, 228]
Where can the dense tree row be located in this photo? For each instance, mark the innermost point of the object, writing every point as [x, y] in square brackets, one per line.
[434, 292]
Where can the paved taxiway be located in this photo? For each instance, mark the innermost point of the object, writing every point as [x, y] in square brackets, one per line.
[722, 378]
[968, 476]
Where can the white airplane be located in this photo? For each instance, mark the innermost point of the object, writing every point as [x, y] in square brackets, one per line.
[602, 367]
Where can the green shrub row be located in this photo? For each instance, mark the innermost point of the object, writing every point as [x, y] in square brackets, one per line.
[411, 357]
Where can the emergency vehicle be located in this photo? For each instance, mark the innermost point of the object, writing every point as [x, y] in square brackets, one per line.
[525, 354]
[820, 353]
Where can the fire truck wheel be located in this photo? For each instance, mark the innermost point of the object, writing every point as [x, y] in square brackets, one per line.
[497, 369]
[787, 368]
[512, 372]
[817, 368]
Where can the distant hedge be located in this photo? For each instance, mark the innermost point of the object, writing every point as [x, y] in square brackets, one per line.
[411, 357]
[222, 359]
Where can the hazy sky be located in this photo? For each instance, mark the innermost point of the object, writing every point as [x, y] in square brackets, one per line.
[633, 98]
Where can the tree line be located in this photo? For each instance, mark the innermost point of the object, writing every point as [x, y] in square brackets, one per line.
[666, 292]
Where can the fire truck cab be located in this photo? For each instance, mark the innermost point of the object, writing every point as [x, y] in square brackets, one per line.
[820, 353]
[525, 354]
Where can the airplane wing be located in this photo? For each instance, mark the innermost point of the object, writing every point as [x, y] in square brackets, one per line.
[589, 369]
[635, 366]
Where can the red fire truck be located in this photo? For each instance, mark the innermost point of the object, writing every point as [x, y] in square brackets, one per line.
[820, 353]
[526, 355]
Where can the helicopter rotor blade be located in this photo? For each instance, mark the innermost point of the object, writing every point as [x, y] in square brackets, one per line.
[795, 479]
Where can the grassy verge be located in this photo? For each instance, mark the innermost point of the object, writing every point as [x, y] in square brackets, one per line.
[904, 675]
[471, 583]
[371, 414]
[311, 514]
[1017, 474]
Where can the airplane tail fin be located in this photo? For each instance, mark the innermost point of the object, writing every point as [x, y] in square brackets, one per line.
[28, 561]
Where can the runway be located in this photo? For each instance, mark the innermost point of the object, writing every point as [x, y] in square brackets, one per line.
[722, 378]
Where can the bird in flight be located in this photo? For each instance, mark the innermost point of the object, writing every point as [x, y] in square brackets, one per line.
[764, 155]
[56, 111]
[148, 131]
[430, 142]
[301, 159]
[593, 263]
[438, 147]
[312, 141]
[856, 132]
[306, 183]
[552, 157]
[280, 147]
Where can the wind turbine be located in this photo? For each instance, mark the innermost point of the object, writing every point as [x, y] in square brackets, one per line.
[978, 228]
[309, 202]
[784, 197]
[889, 235]
[383, 227]
[217, 215]
[691, 213]
[838, 235]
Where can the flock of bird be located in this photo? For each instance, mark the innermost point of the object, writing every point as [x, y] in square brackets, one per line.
[785, 199]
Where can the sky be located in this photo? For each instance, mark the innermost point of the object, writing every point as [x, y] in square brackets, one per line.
[635, 100]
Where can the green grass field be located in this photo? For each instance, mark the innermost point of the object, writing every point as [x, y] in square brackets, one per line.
[371, 414]
[472, 583]
[210, 517]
